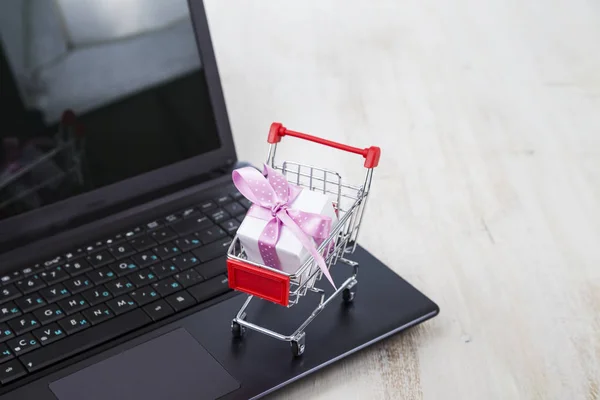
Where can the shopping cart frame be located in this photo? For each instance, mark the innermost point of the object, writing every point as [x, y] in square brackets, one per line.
[258, 280]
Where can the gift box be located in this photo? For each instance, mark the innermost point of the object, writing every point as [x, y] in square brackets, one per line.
[291, 253]
[283, 217]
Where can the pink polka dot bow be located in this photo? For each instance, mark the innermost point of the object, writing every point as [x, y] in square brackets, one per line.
[271, 196]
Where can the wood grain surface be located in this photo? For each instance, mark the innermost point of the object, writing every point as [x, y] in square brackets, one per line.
[487, 196]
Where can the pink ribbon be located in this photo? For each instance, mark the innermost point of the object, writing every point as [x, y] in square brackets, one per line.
[271, 196]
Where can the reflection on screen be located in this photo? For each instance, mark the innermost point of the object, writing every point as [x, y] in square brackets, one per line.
[93, 94]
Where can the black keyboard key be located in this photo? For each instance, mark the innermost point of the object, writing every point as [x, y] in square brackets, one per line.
[185, 261]
[240, 218]
[25, 272]
[52, 262]
[39, 267]
[167, 286]
[106, 242]
[211, 234]
[8, 311]
[135, 232]
[190, 213]
[188, 278]
[54, 275]
[181, 301]
[49, 334]
[163, 235]
[102, 275]
[111, 241]
[213, 250]
[85, 340]
[10, 371]
[35, 269]
[222, 200]
[158, 310]
[6, 333]
[219, 215]
[164, 270]
[169, 219]
[124, 267]
[207, 205]
[213, 268]
[73, 304]
[143, 295]
[231, 226]
[24, 324]
[99, 259]
[78, 284]
[23, 344]
[210, 288]
[54, 293]
[8, 293]
[236, 195]
[48, 314]
[77, 267]
[74, 255]
[145, 258]
[98, 314]
[30, 302]
[143, 242]
[153, 225]
[5, 353]
[187, 243]
[30, 284]
[96, 246]
[234, 209]
[114, 240]
[118, 238]
[166, 251]
[245, 202]
[191, 225]
[121, 250]
[74, 323]
[121, 304]
[142, 278]
[97, 295]
[119, 286]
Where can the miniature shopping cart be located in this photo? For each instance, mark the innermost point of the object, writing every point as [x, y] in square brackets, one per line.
[287, 289]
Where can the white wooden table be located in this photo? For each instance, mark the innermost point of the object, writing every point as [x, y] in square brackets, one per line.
[487, 197]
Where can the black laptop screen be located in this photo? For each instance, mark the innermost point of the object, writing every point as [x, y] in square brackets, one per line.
[131, 77]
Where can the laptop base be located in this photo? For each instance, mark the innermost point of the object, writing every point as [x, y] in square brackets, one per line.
[385, 304]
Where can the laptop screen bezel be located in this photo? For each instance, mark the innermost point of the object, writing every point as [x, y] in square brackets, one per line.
[36, 222]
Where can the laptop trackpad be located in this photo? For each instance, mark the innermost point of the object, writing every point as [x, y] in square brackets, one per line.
[172, 366]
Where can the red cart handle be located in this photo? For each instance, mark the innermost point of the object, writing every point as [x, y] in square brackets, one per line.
[370, 154]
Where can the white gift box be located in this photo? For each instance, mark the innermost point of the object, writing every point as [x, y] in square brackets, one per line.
[289, 250]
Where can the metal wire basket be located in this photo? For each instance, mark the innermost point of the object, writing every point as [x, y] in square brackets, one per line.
[286, 289]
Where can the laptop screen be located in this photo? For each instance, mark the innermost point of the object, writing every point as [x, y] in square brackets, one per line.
[94, 93]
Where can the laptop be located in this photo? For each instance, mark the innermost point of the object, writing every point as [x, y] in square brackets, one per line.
[116, 212]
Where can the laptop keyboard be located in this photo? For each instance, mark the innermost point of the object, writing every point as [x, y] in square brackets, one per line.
[93, 294]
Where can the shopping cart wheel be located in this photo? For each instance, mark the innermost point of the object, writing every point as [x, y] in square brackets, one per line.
[237, 330]
[348, 295]
[298, 346]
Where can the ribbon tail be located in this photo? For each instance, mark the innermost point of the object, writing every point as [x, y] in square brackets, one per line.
[267, 242]
[307, 243]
